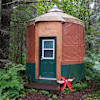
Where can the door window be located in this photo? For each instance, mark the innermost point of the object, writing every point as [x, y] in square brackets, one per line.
[48, 49]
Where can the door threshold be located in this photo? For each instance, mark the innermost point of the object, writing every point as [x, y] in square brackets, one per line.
[44, 78]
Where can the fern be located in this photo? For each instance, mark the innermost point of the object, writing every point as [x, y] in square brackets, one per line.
[11, 83]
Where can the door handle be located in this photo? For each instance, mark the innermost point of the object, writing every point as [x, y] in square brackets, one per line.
[41, 58]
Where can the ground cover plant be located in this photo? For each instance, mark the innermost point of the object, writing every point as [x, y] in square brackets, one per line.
[11, 82]
[93, 96]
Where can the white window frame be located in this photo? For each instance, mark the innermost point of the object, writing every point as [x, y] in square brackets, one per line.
[43, 49]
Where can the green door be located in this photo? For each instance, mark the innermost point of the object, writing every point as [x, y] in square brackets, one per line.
[47, 58]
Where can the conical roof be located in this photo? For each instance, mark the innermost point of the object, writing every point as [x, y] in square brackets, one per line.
[55, 14]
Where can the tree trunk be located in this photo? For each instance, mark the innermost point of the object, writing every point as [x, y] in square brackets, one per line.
[4, 29]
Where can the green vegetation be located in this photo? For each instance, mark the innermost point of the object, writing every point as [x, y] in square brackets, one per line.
[80, 86]
[55, 96]
[31, 90]
[44, 92]
[77, 87]
[11, 82]
[93, 96]
[93, 69]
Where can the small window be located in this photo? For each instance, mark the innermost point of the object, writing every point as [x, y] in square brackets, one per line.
[48, 53]
[48, 44]
[48, 49]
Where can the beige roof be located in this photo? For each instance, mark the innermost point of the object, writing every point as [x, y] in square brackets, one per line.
[55, 14]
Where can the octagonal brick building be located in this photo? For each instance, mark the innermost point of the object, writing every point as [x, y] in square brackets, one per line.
[55, 46]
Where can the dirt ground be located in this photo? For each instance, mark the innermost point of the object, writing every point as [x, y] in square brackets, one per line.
[70, 96]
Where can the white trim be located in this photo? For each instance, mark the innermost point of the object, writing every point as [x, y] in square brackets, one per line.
[47, 48]
[43, 49]
[44, 78]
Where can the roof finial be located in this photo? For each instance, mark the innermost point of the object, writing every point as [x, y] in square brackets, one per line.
[55, 9]
[55, 6]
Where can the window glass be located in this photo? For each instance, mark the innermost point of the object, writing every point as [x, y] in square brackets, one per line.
[48, 44]
[48, 53]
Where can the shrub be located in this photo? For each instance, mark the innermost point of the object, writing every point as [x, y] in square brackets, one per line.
[80, 86]
[93, 68]
[11, 83]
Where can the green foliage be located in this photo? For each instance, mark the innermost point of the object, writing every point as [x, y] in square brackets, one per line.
[31, 90]
[11, 83]
[66, 91]
[55, 96]
[92, 44]
[93, 96]
[80, 86]
[97, 94]
[92, 58]
[77, 87]
[93, 67]
[42, 7]
[50, 99]
[44, 92]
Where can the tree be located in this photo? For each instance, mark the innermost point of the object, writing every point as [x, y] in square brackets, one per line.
[4, 29]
